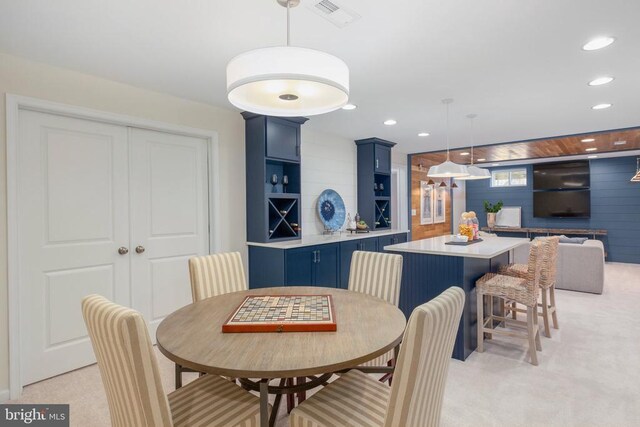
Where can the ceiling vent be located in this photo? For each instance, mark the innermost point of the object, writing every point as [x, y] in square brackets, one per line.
[333, 12]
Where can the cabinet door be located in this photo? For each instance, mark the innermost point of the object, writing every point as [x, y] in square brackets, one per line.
[327, 265]
[400, 238]
[385, 241]
[370, 245]
[346, 252]
[382, 161]
[283, 139]
[300, 266]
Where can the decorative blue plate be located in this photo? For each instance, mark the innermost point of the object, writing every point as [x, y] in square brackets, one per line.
[331, 210]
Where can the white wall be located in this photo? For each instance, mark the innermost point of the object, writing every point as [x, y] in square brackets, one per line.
[21, 77]
[328, 161]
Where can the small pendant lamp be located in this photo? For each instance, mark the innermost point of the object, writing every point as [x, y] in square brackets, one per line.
[474, 171]
[636, 177]
[448, 169]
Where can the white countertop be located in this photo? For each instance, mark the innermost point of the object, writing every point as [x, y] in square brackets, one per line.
[322, 239]
[488, 248]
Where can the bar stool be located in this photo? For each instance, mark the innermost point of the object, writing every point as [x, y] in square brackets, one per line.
[514, 289]
[547, 284]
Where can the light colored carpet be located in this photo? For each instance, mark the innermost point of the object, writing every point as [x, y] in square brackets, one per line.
[589, 373]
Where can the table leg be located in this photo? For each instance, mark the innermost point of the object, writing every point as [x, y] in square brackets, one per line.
[302, 395]
[264, 403]
[291, 398]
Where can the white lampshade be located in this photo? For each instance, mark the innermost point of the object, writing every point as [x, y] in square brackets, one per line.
[448, 169]
[287, 81]
[476, 173]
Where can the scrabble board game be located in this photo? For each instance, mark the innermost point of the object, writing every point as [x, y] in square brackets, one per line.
[282, 313]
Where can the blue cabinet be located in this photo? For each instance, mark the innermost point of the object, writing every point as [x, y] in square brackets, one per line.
[272, 149]
[346, 252]
[283, 139]
[374, 182]
[391, 239]
[325, 265]
[306, 266]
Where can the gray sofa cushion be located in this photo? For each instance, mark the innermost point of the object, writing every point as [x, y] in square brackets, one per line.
[580, 267]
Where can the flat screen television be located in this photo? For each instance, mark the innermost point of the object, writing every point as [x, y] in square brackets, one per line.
[562, 204]
[572, 175]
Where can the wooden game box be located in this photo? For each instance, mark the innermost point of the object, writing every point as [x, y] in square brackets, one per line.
[283, 313]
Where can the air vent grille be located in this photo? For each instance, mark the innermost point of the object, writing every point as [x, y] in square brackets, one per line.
[333, 12]
[327, 7]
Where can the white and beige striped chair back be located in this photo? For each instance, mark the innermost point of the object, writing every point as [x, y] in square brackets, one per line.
[127, 364]
[421, 372]
[216, 274]
[377, 274]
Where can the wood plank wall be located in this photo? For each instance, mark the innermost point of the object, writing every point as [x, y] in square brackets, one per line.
[418, 231]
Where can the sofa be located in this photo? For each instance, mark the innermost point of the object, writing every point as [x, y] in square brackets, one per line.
[580, 266]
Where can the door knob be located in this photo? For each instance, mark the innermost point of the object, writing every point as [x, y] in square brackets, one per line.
[139, 249]
[123, 251]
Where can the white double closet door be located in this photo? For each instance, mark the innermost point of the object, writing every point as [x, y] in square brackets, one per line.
[103, 209]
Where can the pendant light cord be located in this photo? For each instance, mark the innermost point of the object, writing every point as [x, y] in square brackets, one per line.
[472, 142]
[288, 23]
[447, 130]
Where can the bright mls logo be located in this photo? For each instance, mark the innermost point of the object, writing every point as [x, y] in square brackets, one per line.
[34, 415]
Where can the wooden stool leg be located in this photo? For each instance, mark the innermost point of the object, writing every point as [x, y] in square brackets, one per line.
[536, 330]
[178, 376]
[552, 298]
[514, 313]
[489, 315]
[531, 313]
[480, 312]
[545, 313]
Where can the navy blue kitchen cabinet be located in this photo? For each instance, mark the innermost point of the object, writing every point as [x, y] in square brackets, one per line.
[374, 182]
[272, 150]
[347, 248]
[391, 239]
[317, 265]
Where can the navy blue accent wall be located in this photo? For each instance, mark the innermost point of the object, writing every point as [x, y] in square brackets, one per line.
[615, 205]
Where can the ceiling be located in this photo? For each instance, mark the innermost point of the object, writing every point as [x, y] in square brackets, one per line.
[575, 146]
[517, 64]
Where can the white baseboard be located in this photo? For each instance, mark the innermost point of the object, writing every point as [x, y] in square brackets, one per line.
[4, 395]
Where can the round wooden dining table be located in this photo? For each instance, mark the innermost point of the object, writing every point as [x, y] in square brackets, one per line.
[192, 337]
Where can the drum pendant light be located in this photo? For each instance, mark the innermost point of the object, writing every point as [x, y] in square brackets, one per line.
[474, 171]
[448, 169]
[287, 81]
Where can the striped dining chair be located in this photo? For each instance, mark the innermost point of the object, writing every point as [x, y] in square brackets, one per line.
[415, 397]
[380, 275]
[132, 382]
[216, 274]
[213, 275]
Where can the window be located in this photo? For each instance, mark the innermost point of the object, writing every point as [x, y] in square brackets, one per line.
[509, 177]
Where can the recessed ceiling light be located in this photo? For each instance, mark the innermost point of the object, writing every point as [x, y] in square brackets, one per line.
[481, 160]
[601, 106]
[495, 164]
[591, 149]
[423, 134]
[350, 107]
[592, 157]
[598, 43]
[588, 140]
[390, 122]
[619, 142]
[600, 81]
[465, 153]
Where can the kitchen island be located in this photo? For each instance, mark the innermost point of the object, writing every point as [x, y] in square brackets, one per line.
[431, 266]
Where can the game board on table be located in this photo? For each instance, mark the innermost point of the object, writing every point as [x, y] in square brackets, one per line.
[282, 313]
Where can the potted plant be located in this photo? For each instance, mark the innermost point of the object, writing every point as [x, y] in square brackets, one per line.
[492, 210]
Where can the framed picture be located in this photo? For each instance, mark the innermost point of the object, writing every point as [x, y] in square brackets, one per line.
[426, 203]
[440, 203]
